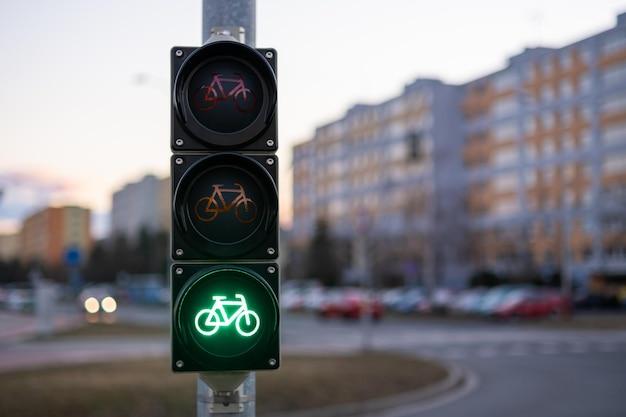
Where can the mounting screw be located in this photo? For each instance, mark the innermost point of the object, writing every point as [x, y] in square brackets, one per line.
[179, 52]
[271, 269]
[179, 142]
[180, 364]
[269, 142]
[179, 252]
[270, 161]
[179, 161]
[179, 271]
[269, 55]
[272, 362]
[271, 251]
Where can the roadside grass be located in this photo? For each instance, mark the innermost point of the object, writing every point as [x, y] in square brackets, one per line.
[147, 388]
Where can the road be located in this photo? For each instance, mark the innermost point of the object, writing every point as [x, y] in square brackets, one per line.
[521, 370]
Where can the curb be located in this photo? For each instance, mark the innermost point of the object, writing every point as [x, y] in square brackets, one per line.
[458, 382]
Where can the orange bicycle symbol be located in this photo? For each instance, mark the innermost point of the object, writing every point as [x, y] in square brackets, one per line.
[208, 208]
[209, 96]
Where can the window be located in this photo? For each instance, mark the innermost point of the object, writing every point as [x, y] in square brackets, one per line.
[566, 59]
[548, 121]
[505, 183]
[505, 107]
[547, 94]
[615, 103]
[531, 151]
[585, 138]
[614, 42]
[505, 81]
[546, 66]
[614, 75]
[503, 132]
[548, 147]
[565, 89]
[615, 163]
[614, 134]
[587, 114]
[530, 124]
[586, 55]
[567, 142]
[567, 117]
[414, 146]
[506, 156]
[505, 207]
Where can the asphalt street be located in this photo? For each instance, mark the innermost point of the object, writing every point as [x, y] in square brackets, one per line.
[521, 371]
[518, 370]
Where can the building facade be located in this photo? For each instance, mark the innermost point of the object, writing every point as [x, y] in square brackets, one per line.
[141, 205]
[9, 246]
[376, 174]
[524, 168]
[46, 235]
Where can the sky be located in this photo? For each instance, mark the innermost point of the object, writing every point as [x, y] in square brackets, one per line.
[76, 125]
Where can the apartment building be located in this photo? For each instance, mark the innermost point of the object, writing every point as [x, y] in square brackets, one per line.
[9, 246]
[524, 168]
[46, 235]
[545, 156]
[143, 204]
[380, 171]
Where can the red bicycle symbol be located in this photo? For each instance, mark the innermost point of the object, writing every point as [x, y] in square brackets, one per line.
[208, 208]
[209, 96]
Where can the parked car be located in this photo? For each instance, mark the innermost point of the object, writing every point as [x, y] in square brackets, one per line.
[468, 301]
[391, 297]
[493, 298]
[292, 300]
[20, 300]
[413, 300]
[313, 297]
[350, 305]
[533, 303]
[442, 300]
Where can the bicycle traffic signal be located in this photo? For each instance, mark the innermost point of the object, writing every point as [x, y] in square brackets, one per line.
[224, 97]
[225, 317]
[224, 208]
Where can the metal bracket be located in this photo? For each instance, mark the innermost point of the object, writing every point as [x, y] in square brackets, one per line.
[228, 396]
[220, 33]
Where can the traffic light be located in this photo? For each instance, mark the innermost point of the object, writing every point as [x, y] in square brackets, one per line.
[224, 173]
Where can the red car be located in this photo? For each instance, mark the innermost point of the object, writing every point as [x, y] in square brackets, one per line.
[532, 304]
[351, 306]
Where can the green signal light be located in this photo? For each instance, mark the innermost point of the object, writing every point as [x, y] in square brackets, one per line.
[209, 320]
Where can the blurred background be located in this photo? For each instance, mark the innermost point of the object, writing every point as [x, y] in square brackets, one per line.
[453, 186]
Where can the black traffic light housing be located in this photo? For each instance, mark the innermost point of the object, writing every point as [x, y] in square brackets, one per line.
[203, 231]
[192, 130]
[225, 312]
[225, 349]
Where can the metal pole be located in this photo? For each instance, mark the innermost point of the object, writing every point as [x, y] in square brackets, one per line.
[232, 15]
[229, 14]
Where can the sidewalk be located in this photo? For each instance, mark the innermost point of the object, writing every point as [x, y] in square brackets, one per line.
[16, 327]
[37, 354]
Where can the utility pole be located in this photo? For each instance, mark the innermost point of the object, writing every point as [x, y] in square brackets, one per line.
[236, 18]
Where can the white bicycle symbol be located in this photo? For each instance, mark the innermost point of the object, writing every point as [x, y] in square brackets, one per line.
[217, 317]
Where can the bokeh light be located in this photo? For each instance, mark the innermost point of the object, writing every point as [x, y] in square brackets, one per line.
[109, 305]
[91, 305]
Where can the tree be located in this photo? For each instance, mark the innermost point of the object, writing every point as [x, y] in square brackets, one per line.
[322, 263]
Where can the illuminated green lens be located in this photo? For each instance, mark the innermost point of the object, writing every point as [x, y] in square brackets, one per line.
[226, 311]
